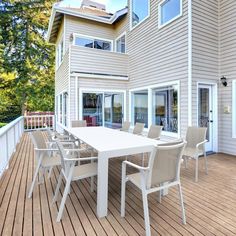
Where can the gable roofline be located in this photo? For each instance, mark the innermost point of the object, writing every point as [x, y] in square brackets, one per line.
[60, 11]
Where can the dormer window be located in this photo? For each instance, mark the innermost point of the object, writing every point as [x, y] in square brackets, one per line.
[139, 12]
[60, 52]
[90, 42]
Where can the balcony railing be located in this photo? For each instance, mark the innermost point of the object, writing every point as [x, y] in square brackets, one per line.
[98, 62]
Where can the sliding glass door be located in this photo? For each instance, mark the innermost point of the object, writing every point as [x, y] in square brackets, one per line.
[93, 109]
[113, 110]
[103, 109]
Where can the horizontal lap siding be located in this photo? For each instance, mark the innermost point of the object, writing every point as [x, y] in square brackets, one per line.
[227, 68]
[87, 27]
[161, 55]
[205, 47]
[98, 61]
[62, 75]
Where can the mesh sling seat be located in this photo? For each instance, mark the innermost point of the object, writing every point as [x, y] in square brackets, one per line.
[163, 171]
[72, 172]
[138, 128]
[125, 127]
[196, 139]
[154, 132]
[78, 123]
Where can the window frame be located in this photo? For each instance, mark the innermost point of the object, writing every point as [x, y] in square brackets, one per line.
[150, 105]
[60, 51]
[103, 91]
[92, 38]
[62, 117]
[140, 22]
[171, 20]
[233, 108]
[119, 37]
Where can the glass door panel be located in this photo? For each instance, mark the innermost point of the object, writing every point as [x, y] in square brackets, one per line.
[205, 112]
[93, 108]
[113, 110]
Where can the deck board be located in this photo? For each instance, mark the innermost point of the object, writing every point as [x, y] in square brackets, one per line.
[210, 204]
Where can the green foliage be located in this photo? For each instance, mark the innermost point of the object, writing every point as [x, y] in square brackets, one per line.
[26, 59]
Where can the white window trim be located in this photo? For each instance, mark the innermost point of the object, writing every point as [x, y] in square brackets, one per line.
[63, 110]
[150, 110]
[130, 19]
[171, 20]
[233, 109]
[92, 38]
[90, 90]
[120, 36]
[58, 64]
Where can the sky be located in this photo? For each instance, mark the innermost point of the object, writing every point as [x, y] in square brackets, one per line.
[111, 5]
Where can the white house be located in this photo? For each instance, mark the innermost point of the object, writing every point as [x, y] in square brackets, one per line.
[161, 62]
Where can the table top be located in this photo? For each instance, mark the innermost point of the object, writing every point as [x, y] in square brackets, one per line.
[113, 142]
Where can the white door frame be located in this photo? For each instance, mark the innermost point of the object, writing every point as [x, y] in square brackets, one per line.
[214, 97]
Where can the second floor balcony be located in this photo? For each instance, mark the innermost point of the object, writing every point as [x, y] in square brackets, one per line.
[100, 63]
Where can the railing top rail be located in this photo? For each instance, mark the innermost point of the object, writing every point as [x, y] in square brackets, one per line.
[38, 116]
[5, 128]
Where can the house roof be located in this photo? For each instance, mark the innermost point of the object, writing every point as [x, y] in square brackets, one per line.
[86, 13]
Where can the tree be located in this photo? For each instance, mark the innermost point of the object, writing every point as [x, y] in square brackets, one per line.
[27, 60]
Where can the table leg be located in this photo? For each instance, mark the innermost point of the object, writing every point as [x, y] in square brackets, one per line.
[102, 186]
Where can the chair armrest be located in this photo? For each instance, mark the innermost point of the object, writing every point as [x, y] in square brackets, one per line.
[75, 150]
[81, 159]
[205, 141]
[135, 166]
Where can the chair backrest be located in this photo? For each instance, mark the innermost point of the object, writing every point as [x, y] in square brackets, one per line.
[164, 164]
[154, 131]
[125, 126]
[38, 139]
[49, 134]
[195, 135]
[62, 155]
[138, 128]
[78, 123]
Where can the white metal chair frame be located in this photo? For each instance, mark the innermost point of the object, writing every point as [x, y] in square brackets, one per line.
[196, 139]
[46, 157]
[146, 175]
[70, 172]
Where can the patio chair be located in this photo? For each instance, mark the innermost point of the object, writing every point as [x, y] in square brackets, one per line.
[78, 123]
[163, 171]
[46, 158]
[125, 127]
[196, 139]
[71, 172]
[138, 128]
[154, 132]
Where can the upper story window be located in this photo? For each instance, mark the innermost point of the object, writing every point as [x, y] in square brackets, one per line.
[139, 11]
[169, 10]
[121, 44]
[88, 42]
[60, 52]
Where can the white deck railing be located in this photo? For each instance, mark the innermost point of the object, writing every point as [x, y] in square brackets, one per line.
[37, 122]
[9, 137]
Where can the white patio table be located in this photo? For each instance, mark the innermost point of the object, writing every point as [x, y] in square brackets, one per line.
[110, 143]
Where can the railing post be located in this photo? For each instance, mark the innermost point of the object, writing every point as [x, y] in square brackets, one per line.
[7, 149]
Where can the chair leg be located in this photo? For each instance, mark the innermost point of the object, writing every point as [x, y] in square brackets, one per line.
[182, 204]
[205, 156]
[34, 179]
[146, 214]
[63, 201]
[186, 162]
[92, 183]
[143, 159]
[123, 190]
[50, 172]
[57, 188]
[196, 170]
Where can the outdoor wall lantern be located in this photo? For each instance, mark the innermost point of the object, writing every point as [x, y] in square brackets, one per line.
[71, 38]
[223, 81]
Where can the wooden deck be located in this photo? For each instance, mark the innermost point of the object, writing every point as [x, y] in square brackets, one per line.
[210, 204]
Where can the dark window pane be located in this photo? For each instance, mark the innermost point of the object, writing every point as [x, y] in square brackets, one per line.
[84, 42]
[99, 44]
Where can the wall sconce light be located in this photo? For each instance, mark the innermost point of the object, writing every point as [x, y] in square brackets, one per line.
[223, 81]
[71, 38]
